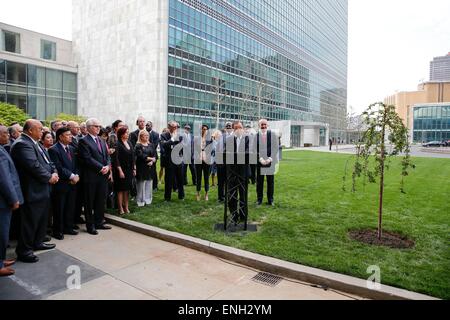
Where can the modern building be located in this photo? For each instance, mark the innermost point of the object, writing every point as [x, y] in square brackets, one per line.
[431, 122]
[440, 68]
[428, 92]
[214, 60]
[37, 73]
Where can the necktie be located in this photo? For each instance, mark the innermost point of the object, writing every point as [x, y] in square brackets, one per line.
[68, 153]
[43, 154]
[99, 146]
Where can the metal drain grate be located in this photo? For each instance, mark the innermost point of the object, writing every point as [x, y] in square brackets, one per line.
[267, 279]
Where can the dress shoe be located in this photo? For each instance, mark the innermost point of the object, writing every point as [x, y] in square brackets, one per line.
[71, 232]
[103, 227]
[8, 263]
[92, 231]
[75, 227]
[58, 236]
[271, 204]
[259, 203]
[6, 272]
[47, 239]
[45, 246]
[31, 258]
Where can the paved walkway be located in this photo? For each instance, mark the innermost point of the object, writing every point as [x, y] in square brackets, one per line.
[416, 151]
[122, 265]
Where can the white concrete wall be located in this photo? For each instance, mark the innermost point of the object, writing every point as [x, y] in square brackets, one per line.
[30, 49]
[311, 135]
[121, 49]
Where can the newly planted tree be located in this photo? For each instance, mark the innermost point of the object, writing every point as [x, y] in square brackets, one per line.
[386, 136]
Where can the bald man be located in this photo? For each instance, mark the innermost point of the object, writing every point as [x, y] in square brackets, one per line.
[37, 175]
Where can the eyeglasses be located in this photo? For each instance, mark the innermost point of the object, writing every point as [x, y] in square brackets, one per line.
[96, 127]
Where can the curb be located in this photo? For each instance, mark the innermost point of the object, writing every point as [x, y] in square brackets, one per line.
[285, 269]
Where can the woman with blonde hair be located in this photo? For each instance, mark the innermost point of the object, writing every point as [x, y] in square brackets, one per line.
[146, 157]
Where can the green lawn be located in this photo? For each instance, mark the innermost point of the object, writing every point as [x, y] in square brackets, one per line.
[309, 224]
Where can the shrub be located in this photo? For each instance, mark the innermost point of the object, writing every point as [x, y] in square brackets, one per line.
[66, 117]
[10, 114]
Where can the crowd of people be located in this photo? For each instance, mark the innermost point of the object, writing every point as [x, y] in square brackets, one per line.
[52, 177]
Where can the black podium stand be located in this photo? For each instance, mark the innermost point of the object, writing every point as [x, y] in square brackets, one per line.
[236, 201]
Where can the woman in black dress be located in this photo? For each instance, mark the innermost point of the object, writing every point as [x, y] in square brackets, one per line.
[146, 158]
[124, 170]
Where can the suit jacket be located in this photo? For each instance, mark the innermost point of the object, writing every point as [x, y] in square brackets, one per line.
[167, 146]
[134, 136]
[91, 160]
[34, 171]
[10, 191]
[7, 147]
[232, 140]
[155, 139]
[66, 166]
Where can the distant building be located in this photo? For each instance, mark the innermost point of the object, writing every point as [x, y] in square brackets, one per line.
[37, 73]
[440, 68]
[428, 92]
[431, 122]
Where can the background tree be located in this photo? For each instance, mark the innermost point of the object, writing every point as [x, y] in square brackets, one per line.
[10, 114]
[66, 117]
[386, 136]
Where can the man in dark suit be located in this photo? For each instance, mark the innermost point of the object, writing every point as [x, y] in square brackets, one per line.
[134, 136]
[95, 161]
[266, 139]
[174, 172]
[155, 139]
[188, 141]
[64, 192]
[220, 161]
[237, 166]
[37, 174]
[75, 129]
[10, 199]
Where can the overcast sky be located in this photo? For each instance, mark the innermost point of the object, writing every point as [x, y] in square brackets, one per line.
[391, 41]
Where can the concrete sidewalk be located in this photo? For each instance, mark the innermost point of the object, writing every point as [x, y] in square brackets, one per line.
[123, 265]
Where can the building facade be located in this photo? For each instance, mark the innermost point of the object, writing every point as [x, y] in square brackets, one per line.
[213, 61]
[431, 122]
[440, 68]
[428, 92]
[37, 73]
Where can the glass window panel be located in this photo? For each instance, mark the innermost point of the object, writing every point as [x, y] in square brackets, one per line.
[69, 106]
[2, 71]
[10, 41]
[54, 106]
[36, 107]
[54, 83]
[48, 50]
[16, 73]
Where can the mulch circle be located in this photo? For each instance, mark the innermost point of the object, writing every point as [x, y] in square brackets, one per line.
[389, 239]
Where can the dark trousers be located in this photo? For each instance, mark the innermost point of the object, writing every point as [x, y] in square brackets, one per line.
[270, 187]
[193, 169]
[237, 183]
[33, 226]
[155, 179]
[221, 179]
[14, 231]
[79, 202]
[63, 210]
[5, 222]
[95, 200]
[252, 173]
[205, 171]
[174, 175]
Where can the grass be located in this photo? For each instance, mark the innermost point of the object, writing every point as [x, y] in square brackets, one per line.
[309, 224]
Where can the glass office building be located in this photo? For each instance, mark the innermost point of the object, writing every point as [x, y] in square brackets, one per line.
[40, 92]
[431, 122]
[241, 59]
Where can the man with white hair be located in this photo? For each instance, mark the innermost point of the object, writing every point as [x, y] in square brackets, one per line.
[95, 161]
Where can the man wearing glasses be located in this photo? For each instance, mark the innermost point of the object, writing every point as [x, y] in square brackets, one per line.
[95, 162]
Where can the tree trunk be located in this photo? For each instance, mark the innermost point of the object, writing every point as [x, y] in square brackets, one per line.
[382, 160]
